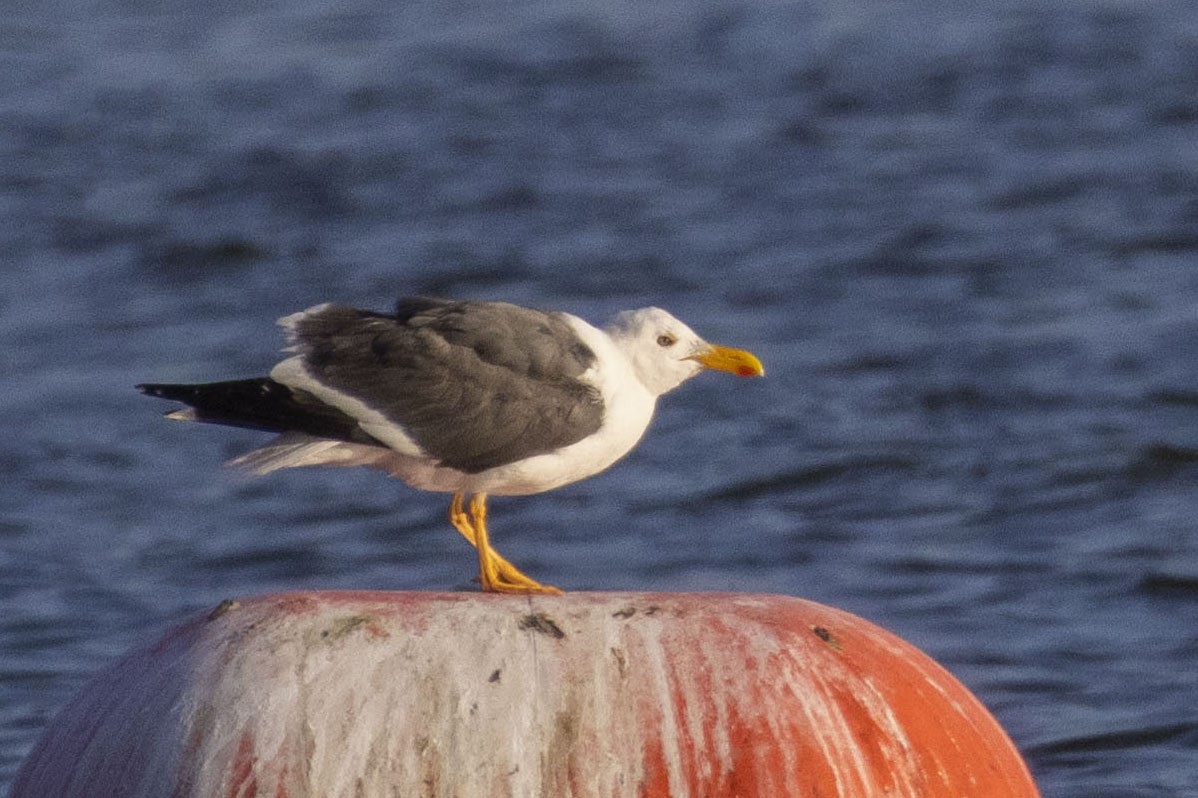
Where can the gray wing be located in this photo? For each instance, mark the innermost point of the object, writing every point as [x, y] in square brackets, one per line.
[475, 384]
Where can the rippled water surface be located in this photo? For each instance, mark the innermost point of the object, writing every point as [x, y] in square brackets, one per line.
[963, 239]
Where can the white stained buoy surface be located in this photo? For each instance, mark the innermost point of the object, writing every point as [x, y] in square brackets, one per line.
[465, 695]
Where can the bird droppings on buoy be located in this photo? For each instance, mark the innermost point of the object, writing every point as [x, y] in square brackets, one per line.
[826, 636]
[540, 622]
[369, 694]
[220, 609]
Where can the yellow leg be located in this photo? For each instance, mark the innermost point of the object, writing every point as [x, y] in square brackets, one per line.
[459, 519]
[461, 522]
[495, 573]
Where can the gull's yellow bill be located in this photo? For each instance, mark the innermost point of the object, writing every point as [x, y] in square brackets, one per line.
[733, 361]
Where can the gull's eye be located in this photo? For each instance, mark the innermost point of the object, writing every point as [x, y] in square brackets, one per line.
[666, 340]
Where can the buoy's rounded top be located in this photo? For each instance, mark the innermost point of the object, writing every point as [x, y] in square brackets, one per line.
[355, 693]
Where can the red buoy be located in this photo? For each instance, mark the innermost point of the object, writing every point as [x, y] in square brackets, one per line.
[372, 695]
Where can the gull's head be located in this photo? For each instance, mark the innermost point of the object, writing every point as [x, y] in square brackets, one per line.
[664, 352]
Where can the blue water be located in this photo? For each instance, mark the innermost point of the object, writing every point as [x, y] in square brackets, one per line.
[962, 237]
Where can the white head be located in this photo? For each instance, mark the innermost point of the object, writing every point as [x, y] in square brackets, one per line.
[664, 352]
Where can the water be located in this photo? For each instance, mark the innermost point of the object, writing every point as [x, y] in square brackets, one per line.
[962, 240]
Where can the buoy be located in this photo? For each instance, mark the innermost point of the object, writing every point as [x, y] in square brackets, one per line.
[469, 695]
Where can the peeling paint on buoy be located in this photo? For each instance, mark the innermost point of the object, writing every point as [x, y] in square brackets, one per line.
[370, 695]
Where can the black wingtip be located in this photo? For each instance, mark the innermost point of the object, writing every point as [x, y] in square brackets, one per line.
[257, 403]
[150, 390]
[176, 393]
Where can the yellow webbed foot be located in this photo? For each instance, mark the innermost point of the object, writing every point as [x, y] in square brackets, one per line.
[495, 574]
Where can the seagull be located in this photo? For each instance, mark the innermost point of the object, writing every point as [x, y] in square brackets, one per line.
[463, 397]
